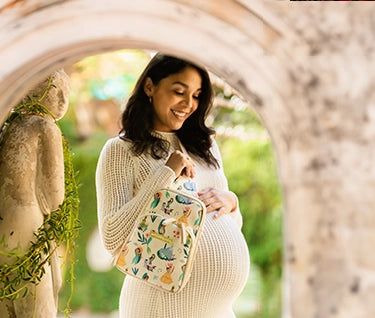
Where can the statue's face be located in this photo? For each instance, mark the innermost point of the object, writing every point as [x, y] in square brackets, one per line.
[57, 101]
[57, 98]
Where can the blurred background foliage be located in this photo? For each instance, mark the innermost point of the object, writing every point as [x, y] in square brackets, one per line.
[100, 86]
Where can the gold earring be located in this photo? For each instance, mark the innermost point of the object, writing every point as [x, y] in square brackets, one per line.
[150, 99]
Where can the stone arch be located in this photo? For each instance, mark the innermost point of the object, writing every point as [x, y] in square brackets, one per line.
[49, 35]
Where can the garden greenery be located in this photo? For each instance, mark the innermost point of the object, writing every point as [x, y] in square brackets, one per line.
[60, 226]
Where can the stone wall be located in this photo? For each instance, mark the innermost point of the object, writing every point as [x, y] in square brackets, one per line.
[307, 68]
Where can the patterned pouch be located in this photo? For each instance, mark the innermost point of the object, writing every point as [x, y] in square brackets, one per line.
[160, 250]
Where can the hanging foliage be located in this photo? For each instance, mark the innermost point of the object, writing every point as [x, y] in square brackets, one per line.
[60, 226]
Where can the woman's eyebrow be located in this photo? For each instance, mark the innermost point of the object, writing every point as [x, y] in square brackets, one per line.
[184, 85]
[181, 83]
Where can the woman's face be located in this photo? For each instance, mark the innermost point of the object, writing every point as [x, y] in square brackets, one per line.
[174, 98]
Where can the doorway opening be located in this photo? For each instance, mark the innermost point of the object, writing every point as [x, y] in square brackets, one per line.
[100, 86]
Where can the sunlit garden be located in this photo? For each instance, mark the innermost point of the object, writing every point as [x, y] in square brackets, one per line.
[100, 88]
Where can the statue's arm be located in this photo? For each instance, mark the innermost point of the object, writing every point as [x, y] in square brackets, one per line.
[50, 176]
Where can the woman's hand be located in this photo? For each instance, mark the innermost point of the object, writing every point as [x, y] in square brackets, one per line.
[219, 201]
[181, 164]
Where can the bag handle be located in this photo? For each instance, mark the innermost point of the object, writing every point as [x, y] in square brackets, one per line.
[183, 150]
[182, 182]
[182, 147]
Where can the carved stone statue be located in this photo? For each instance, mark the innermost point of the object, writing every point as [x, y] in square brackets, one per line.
[31, 186]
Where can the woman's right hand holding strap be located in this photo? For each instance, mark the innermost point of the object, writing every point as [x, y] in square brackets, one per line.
[181, 164]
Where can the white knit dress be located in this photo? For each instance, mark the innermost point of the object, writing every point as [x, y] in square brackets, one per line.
[124, 182]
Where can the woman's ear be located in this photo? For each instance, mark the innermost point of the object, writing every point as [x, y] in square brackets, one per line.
[148, 87]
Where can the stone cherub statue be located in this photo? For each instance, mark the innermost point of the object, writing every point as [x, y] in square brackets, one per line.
[31, 186]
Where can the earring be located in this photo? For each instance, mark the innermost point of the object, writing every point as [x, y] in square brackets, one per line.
[150, 99]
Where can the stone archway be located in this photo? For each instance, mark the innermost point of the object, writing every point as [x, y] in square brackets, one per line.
[295, 71]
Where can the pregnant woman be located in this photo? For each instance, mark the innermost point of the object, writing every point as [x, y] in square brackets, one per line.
[168, 107]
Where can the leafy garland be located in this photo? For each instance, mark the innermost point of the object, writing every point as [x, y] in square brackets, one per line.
[60, 226]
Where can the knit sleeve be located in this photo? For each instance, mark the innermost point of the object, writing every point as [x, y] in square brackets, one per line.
[236, 214]
[118, 205]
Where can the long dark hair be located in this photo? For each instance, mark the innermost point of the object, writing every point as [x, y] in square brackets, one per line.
[138, 116]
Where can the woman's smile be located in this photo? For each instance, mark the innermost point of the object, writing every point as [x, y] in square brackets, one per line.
[179, 114]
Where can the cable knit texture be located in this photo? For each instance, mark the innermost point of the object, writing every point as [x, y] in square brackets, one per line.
[124, 183]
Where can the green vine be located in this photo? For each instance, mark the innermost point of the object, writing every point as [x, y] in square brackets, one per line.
[60, 226]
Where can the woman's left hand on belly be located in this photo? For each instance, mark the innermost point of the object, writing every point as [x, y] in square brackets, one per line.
[218, 201]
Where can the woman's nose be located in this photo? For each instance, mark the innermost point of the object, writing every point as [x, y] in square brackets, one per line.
[189, 101]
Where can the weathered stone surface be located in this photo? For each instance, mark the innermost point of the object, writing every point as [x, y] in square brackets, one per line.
[31, 186]
[308, 69]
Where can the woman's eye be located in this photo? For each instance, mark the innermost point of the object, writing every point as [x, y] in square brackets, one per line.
[179, 93]
[196, 97]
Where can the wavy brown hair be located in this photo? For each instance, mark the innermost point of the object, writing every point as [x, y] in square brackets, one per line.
[138, 116]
